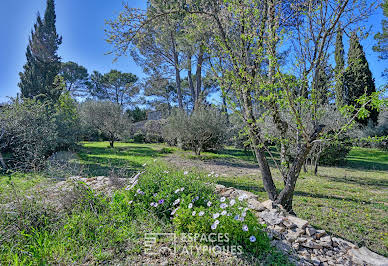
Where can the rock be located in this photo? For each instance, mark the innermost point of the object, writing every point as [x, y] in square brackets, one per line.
[255, 205]
[289, 224]
[271, 217]
[339, 242]
[220, 188]
[365, 256]
[296, 246]
[100, 178]
[281, 245]
[312, 244]
[325, 239]
[301, 240]
[310, 231]
[280, 229]
[319, 234]
[300, 223]
[293, 235]
[268, 204]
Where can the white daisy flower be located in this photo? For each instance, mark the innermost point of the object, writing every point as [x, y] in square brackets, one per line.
[190, 205]
[216, 215]
[209, 203]
[222, 199]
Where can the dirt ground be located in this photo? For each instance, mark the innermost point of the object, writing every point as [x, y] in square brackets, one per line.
[222, 167]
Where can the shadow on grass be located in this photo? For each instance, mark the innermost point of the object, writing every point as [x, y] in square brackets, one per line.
[330, 197]
[101, 161]
[358, 181]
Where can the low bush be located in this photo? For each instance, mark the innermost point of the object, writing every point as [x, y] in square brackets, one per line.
[34, 130]
[202, 130]
[139, 137]
[335, 153]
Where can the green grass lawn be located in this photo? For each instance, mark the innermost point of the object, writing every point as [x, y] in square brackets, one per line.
[99, 159]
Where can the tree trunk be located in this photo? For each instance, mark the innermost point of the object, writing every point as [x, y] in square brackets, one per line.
[3, 165]
[198, 75]
[190, 77]
[177, 71]
[111, 143]
[286, 195]
[254, 135]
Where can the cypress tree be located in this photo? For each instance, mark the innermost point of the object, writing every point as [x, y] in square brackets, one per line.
[43, 63]
[323, 82]
[339, 68]
[358, 78]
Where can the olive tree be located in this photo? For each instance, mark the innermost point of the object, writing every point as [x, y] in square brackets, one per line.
[107, 117]
[203, 129]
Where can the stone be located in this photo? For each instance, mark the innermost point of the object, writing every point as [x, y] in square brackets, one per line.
[271, 217]
[281, 245]
[319, 234]
[339, 242]
[100, 178]
[365, 256]
[255, 205]
[289, 224]
[268, 204]
[310, 231]
[301, 240]
[312, 244]
[300, 223]
[296, 246]
[227, 193]
[220, 188]
[280, 229]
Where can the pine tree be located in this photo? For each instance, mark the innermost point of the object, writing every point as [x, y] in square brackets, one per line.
[382, 38]
[339, 68]
[43, 63]
[358, 78]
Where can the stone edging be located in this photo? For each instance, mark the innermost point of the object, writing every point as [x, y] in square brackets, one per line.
[304, 244]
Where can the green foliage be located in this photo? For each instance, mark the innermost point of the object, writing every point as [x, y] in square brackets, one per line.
[335, 153]
[114, 86]
[359, 81]
[43, 63]
[196, 216]
[34, 130]
[139, 137]
[76, 78]
[137, 114]
[204, 129]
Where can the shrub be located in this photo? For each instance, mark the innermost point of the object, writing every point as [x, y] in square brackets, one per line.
[202, 130]
[335, 153]
[34, 130]
[139, 137]
[153, 131]
[174, 196]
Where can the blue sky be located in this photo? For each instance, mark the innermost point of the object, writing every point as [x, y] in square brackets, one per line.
[81, 24]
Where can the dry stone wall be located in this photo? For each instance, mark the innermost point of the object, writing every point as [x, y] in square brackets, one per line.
[304, 244]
